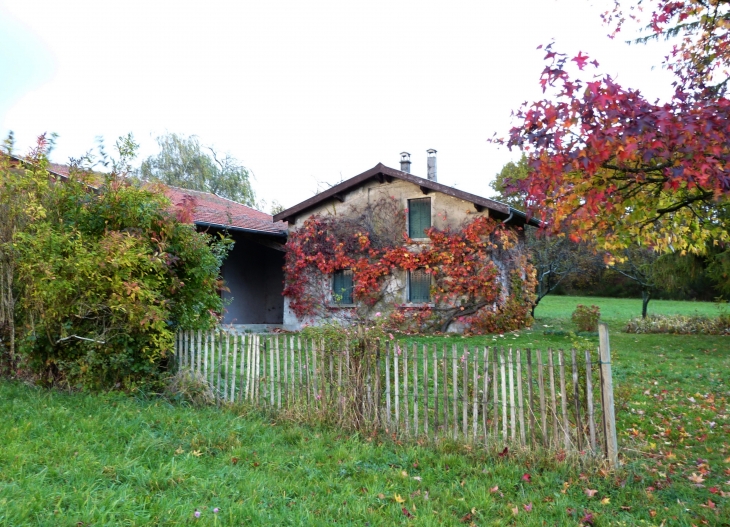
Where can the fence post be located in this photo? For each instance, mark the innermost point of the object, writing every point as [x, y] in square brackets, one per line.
[609, 416]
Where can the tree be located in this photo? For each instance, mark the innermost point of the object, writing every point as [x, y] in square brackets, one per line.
[184, 162]
[504, 183]
[555, 256]
[611, 167]
[100, 280]
[640, 265]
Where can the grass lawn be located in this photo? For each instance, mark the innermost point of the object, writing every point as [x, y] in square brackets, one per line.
[79, 459]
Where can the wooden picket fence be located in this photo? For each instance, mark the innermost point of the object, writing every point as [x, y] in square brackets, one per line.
[481, 395]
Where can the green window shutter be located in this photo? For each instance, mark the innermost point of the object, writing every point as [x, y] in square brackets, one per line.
[419, 217]
[342, 286]
[419, 286]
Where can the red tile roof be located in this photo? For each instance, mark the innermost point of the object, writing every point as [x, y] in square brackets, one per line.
[209, 209]
[221, 212]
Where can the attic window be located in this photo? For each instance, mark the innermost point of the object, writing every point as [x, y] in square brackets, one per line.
[419, 217]
[342, 286]
[419, 286]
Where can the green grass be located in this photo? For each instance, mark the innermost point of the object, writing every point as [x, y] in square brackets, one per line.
[80, 459]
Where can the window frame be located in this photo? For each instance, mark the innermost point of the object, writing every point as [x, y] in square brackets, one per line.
[334, 293]
[409, 288]
[430, 217]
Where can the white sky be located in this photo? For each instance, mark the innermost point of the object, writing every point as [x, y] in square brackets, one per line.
[300, 91]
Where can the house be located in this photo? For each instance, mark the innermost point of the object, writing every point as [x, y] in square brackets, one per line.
[389, 243]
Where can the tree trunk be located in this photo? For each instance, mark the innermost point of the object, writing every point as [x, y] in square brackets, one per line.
[645, 297]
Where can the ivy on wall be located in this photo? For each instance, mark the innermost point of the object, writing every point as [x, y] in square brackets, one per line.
[481, 277]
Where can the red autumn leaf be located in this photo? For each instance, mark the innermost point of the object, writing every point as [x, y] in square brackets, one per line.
[526, 477]
[406, 513]
[580, 60]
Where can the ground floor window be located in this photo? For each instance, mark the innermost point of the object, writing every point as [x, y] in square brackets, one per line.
[419, 286]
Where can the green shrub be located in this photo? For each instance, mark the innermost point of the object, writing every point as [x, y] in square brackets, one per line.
[680, 324]
[586, 318]
[102, 278]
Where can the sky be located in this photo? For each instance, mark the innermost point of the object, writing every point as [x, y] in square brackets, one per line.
[303, 93]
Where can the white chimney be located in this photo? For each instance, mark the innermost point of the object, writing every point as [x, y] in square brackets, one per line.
[405, 162]
[431, 163]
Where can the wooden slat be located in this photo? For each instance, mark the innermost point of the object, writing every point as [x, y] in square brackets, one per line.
[589, 399]
[220, 362]
[315, 375]
[199, 352]
[340, 394]
[553, 398]
[388, 414]
[308, 378]
[504, 394]
[530, 399]
[302, 365]
[378, 386]
[286, 387]
[435, 390]
[485, 393]
[541, 390]
[278, 372]
[406, 416]
[564, 401]
[454, 384]
[520, 398]
[233, 370]
[496, 392]
[512, 412]
[576, 401]
[242, 372]
[444, 365]
[396, 353]
[186, 349]
[609, 417]
[206, 342]
[257, 369]
[415, 389]
[292, 375]
[465, 394]
[475, 389]
[227, 379]
[425, 389]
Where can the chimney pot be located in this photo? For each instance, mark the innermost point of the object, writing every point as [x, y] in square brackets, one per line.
[405, 162]
[431, 163]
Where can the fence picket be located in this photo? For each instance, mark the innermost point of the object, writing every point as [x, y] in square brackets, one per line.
[530, 399]
[425, 389]
[504, 394]
[520, 398]
[465, 394]
[396, 352]
[415, 389]
[405, 390]
[576, 401]
[564, 400]
[233, 368]
[541, 389]
[455, 384]
[475, 386]
[589, 399]
[435, 390]
[512, 413]
[553, 398]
